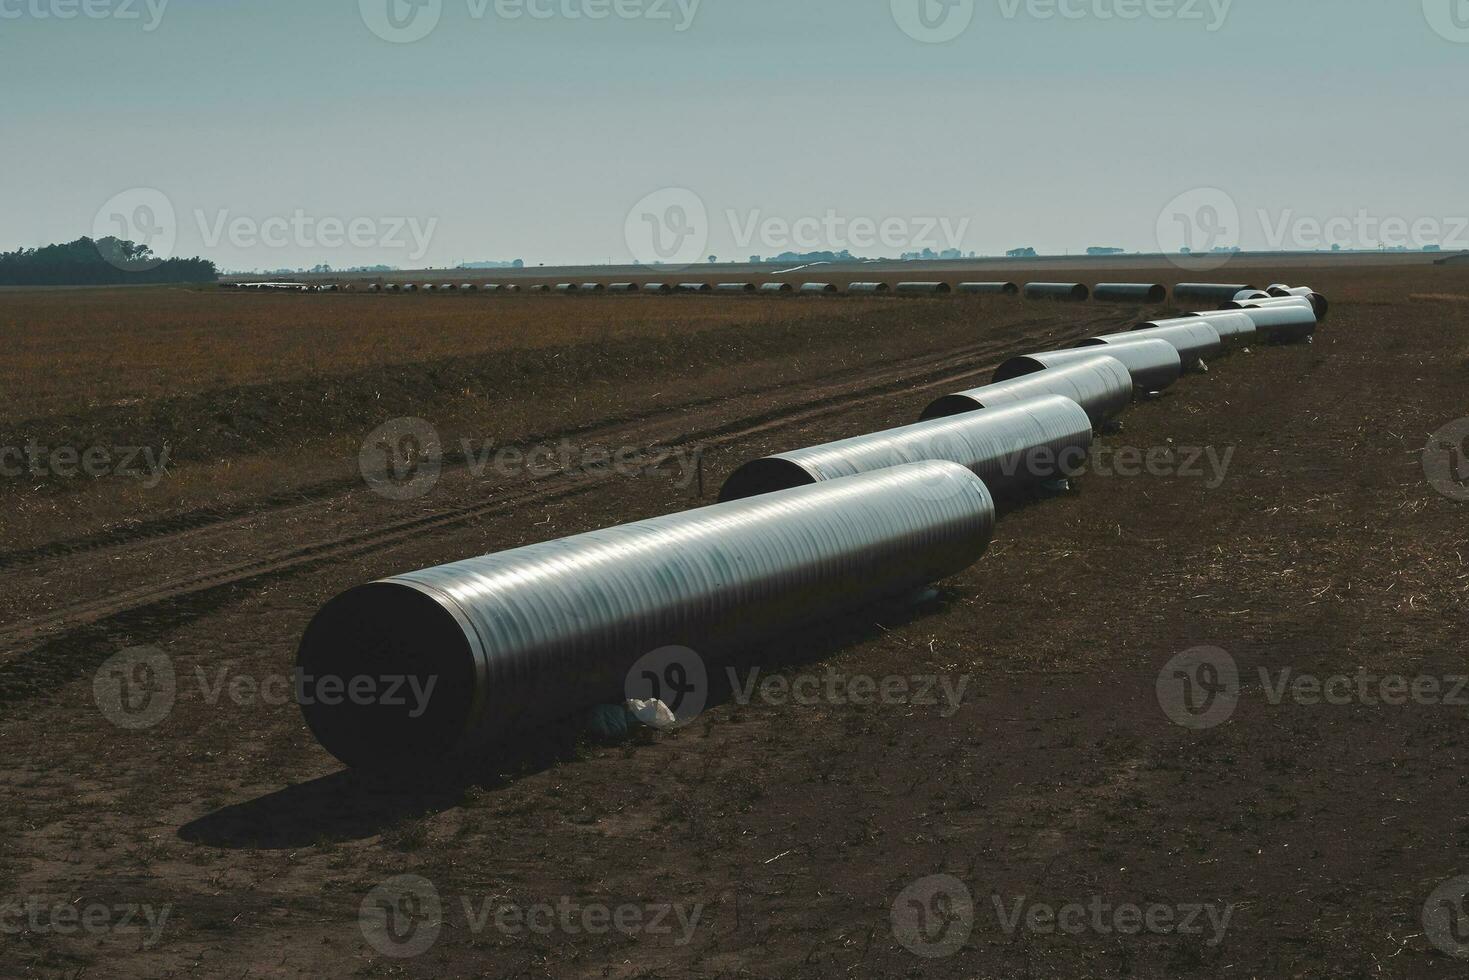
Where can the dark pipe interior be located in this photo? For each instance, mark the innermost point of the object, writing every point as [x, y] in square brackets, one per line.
[764, 476]
[950, 405]
[1017, 367]
[389, 644]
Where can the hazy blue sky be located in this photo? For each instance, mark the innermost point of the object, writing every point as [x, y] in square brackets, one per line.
[497, 136]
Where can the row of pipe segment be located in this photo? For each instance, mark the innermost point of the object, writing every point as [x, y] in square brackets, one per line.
[510, 641]
[1063, 292]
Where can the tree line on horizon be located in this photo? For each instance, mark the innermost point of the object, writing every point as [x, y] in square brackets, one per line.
[103, 262]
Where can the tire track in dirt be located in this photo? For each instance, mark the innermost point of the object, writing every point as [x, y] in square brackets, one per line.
[81, 620]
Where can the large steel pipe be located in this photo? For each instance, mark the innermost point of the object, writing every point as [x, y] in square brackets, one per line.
[513, 640]
[1297, 301]
[923, 289]
[1194, 339]
[775, 287]
[1208, 292]
[1100, 385]
[818, 288]
[1233, 327]
[989, 288]
[622, 287]
[1153, 363]
[867, 287]
[1318, 301]
[661, 288]
[695, 287]
[1129, 292]
[1282, 324]
[734, 287]
[1008, 448]
[1065, 292]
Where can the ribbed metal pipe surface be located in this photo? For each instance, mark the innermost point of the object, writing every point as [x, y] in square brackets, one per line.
[1234, 328]
[923, 288]
[1282, 324]
[1194, 339]
[566, 287]
[1066, 292]
[523, 637]
[622, 287]
[661, 288]
[1314, 302]
[1008, 448]
[867, 287]
[1251, 294]
[1208, 292]
[989, 288]
[1101, 385]
[695, 287]
[1129, 292]
[775, 287]
[818, 287]
[1153, 363]
[734, 287]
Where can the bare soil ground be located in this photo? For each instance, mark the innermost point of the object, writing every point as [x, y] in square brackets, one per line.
[782, 835]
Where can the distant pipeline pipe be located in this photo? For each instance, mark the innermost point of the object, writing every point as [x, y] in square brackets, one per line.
[989, 288]
[1153, 363]
[541, 287]
[775, 287]
[591, 287]
[1207, 292]
[1194, 340]
[1062, 292]
[734, 287]
[867, 287]
[1101, 385]
[658, 288]
[1251, 294]
[923, 289]
[511, 287]
[818, 288]
[694, 287]
[623, 287]
[509, 641]
[1009, 448]
[1129, 292]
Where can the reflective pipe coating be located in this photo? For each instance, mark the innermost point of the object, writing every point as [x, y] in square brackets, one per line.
[513, 640]
[1009, 448]
[1153, 363]
[1101, 385]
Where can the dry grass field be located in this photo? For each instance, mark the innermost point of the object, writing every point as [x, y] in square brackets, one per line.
[779, 837]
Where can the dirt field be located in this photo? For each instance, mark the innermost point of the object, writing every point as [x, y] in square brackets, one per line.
[1051, 821]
